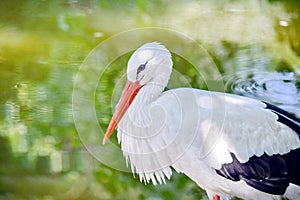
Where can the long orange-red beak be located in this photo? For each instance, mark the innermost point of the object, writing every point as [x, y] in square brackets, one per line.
[129, 93]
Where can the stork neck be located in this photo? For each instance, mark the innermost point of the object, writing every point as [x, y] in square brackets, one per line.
[136, 130]
[139, 110]
[148, 94]
[150, 91]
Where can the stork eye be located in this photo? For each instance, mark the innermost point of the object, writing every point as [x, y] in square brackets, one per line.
[141, 68]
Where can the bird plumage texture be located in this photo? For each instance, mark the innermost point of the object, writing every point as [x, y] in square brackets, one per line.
[228, 144]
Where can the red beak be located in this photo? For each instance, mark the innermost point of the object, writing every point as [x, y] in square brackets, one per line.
[129, 93]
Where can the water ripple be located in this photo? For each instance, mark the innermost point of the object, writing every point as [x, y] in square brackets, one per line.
[279, 88]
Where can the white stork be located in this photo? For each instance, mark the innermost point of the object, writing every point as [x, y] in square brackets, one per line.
[228, 144]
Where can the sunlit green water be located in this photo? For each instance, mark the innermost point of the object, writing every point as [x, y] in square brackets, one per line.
[42, 45]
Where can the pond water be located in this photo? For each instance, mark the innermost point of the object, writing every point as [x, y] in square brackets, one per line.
[251, 47]
[278, 88]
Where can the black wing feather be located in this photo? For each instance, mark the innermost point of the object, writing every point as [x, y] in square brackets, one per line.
[270, 174]
[285, 117]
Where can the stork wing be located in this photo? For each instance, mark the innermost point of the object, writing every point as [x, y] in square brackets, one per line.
[270, 174]
[258, 143]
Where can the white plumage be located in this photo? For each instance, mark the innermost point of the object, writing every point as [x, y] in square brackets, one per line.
[193, 131]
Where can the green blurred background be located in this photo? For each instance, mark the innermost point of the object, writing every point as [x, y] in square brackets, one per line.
[42, 45]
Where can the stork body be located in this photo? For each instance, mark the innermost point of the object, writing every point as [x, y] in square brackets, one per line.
[228, 144]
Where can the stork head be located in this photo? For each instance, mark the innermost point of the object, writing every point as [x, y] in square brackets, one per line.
[149, 64]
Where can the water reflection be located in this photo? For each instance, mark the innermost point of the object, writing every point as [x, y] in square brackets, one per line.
[279, 88]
